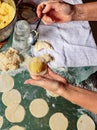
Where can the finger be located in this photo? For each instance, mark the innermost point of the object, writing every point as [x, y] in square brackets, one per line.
[33, 82]
[40, 9]
[47, 20]
[56, 76]
[37, 77]
[28, 81]
[52, 75]
[47, 8]
[48, 84]
[41, 83]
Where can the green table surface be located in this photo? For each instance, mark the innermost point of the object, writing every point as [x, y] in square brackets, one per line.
[29, 92]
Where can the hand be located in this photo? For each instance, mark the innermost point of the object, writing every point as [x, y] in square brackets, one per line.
[55, 11]
[50, 81]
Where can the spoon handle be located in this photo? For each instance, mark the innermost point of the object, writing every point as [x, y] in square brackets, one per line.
[40, 19]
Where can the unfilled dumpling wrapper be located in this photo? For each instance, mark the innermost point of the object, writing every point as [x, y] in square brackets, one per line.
[16, 127]
[85, 123]
[47, 57]
[6, 82]
[42, 45]
[15, 113]
[1, 121]
[58, 122]
[39, 108]
[11, 97]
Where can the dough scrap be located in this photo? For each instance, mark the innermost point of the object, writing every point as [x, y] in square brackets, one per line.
[15, 113]
[85, 123]
[52, 94]
[11, 97]
[58, 122]
[16, 127]
[10, 60]
[1, 121]
[47, 57]
[42, 45]
[39, 108]
[6, 82]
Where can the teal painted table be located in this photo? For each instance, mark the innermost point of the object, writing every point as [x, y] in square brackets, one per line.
[28, 92]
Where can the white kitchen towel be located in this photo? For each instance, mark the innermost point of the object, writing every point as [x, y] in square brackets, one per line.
[73, 43]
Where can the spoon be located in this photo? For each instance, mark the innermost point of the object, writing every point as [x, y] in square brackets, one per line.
[35, 33]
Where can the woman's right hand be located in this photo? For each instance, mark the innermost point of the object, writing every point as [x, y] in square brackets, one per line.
[56, 11]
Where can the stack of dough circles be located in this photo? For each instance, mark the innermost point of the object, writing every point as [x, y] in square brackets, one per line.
[39, 108]
[58, 121]
[11, 97]
[16, 127]
[85, 123]
[1, 121]
[6, 82]
[15, 113]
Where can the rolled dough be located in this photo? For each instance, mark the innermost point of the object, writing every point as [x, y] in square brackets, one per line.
[16, 127]
[47, 57]
[15, 113]
[85, 123]
[39, 108]
[1, 121]
[11, 97]
[10, 59]
[42, 45]
[58, 122]
[6, 82]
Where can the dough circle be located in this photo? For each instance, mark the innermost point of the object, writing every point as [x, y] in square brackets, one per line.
[42, 45]
[15, 113]
[85, 123]
[6, 82]
[16, 127]
[1, 121]
[11, 97]
[58, 122]
[39, 108]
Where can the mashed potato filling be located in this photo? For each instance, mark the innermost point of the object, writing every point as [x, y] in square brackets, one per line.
[7, 13]
[37, 65]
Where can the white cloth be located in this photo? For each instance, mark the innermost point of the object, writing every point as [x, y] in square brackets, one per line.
[73, 43]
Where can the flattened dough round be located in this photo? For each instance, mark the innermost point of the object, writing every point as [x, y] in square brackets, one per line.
[39, 108]
[85, 123]
[58, 122]
[1, 121]
[42, 45]
[6, 82]
[10, 97]
[16, 127]
[15, 113]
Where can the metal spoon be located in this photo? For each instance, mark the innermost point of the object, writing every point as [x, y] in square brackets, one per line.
[35, 33]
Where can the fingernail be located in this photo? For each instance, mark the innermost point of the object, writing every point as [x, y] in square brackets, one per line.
[25, 82]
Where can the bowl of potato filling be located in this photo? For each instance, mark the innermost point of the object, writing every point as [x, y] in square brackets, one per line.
[7, 18]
